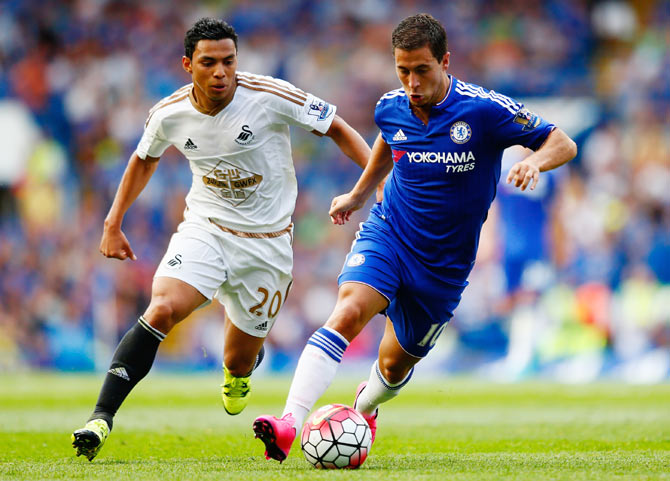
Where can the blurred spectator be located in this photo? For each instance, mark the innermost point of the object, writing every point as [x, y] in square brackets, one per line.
[572, 280]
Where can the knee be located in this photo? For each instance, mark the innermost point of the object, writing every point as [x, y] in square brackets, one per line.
[393, 370]
[161, 315]
[348, 319]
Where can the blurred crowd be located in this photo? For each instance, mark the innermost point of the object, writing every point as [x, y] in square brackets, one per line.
[572, 281]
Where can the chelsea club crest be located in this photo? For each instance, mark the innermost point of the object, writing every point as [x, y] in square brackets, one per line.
[460, 132]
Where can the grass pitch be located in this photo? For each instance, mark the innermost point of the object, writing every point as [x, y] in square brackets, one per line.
[174, 428]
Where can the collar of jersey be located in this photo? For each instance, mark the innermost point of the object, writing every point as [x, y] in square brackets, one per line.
[211, 113]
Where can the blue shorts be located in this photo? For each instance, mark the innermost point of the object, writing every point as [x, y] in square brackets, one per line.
[421, 302]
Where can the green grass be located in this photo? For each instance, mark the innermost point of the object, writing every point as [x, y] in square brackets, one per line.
[174, 428]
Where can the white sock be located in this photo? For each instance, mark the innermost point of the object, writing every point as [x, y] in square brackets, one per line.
[378, 391]
[316, 370]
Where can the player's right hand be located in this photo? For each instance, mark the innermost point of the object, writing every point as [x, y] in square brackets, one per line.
[115, 245]
[342, 207]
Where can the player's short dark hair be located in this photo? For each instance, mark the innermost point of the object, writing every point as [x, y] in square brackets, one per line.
[207, 29]
[417, 31]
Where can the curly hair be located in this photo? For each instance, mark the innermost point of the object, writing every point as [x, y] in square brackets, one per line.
[207, 29]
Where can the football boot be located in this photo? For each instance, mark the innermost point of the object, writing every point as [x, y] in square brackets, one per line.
[277, 434]
[90, 439]
[235, 390]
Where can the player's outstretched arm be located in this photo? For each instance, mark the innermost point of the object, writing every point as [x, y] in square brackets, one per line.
[554, 152]
[352, 145]
[379, 165]
[138, 172]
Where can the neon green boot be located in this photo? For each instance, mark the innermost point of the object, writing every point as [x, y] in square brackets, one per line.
[90, 439]
[235, 392]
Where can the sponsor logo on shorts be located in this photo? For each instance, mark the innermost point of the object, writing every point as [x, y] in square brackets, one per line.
[175, 262]
[356, 260]
[460, 132]
[263, 326]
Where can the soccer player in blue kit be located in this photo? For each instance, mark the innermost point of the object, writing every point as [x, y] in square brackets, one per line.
[442, 141]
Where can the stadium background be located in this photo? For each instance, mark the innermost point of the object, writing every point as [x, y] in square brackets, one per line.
[572, 282]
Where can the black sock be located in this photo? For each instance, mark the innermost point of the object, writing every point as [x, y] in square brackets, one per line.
[259, 360]
[132, 361]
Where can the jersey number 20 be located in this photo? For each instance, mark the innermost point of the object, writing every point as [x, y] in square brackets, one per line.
[275, 303]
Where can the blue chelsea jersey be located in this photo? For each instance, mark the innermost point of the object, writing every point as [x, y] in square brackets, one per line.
[445, 173]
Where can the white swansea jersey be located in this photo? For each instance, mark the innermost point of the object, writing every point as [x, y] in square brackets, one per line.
[240, 156]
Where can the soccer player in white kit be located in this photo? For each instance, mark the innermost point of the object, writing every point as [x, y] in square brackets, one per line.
[234, 244]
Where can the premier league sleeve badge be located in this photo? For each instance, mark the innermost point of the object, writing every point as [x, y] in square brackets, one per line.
[527, 119]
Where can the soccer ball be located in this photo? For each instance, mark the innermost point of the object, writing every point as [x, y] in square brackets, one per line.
[335, 437]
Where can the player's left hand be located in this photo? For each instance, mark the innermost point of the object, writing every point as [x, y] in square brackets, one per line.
[523, 174]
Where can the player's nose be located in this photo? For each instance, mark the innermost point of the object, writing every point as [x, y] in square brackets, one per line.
[413, 81]
[219, 71]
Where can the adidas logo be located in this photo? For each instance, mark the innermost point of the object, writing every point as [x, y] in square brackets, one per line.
[399, 135]
[189, 145]
[263, 326]
[120, 372]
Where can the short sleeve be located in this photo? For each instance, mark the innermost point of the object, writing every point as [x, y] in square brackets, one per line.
[153, 142]
[379, 120]
[514, 124]
[303, 109]
[386, 113]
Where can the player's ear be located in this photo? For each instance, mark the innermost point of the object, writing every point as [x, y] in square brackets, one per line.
[186, 64]
[445, 61]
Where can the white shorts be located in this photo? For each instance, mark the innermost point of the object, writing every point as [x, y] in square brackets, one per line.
[251, 277]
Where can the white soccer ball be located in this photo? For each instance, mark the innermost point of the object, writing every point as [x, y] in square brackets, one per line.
[335, 437]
